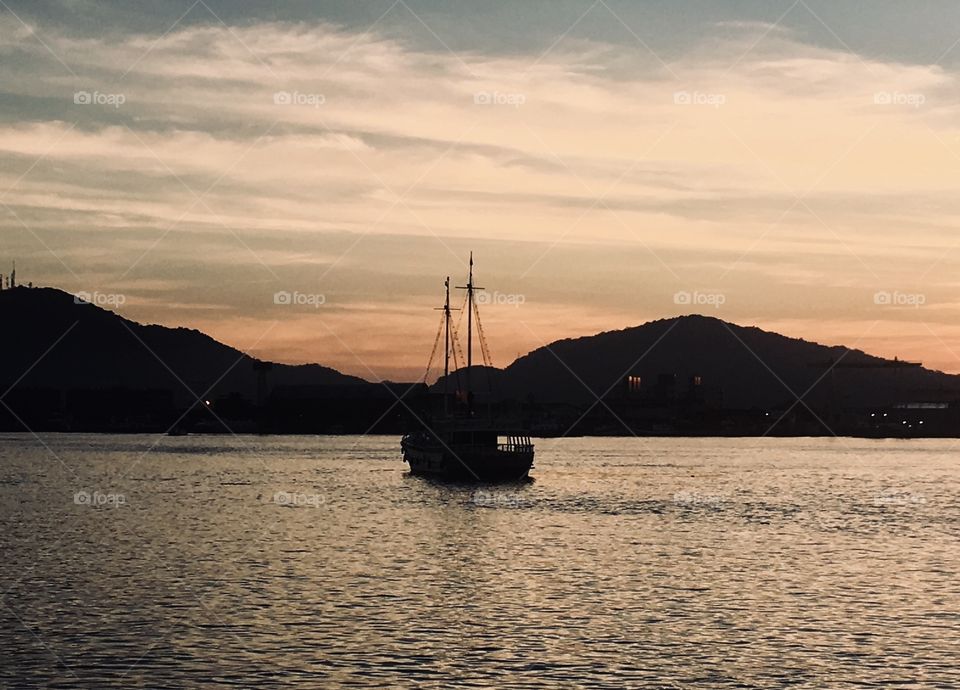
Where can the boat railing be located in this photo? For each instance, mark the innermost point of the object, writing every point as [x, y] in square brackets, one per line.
[515, 447]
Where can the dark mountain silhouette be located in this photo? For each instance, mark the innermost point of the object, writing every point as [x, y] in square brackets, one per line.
[54, 342]
[752, 368]
[72, 365]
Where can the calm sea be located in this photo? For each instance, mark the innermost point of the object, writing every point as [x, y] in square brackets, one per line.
[315, 562]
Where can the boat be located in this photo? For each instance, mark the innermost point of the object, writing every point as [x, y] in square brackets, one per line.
[460, 445]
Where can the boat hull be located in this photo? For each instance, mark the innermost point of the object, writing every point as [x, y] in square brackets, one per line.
[467, 464]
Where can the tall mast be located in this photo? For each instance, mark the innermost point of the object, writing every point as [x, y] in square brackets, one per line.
[448, 345]
[469, 326]
[446, 348]
[470, 288]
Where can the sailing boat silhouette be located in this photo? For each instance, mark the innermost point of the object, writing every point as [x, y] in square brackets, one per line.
[460, 445]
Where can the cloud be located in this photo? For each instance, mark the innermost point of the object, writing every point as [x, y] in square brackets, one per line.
[254, 154]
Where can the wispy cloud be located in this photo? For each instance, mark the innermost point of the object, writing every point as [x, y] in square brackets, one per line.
[306, 155]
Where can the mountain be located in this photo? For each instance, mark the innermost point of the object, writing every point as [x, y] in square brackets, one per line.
[66, 365]
[752, 368]
[54, 342]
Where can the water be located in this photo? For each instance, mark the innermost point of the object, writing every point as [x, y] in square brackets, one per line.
[247, 562]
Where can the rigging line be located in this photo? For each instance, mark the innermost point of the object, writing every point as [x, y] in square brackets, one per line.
[484, 348]
[457, 347]
[462, 309]
[456, 363]
[487, 360]
[485, 351]
[433, 352]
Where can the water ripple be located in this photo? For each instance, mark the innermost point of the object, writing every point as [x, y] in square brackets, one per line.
[317, 562]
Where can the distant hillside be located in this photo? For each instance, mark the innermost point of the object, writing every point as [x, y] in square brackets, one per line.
[754, 368]
[64, 345]
[54, 343]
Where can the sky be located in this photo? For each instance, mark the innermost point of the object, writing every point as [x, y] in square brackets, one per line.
[297, 179]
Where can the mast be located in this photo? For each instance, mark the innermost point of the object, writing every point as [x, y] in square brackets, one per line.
[470, 288]
[448, 345]
[470, 335]
[446, 349]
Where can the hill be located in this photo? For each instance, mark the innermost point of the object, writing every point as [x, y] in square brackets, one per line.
[53, 341]
[69, 365]
[752, 368]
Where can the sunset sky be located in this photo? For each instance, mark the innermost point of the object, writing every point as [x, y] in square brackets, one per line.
[790, 165]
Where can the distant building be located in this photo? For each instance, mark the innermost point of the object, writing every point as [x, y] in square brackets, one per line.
[656, 405]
